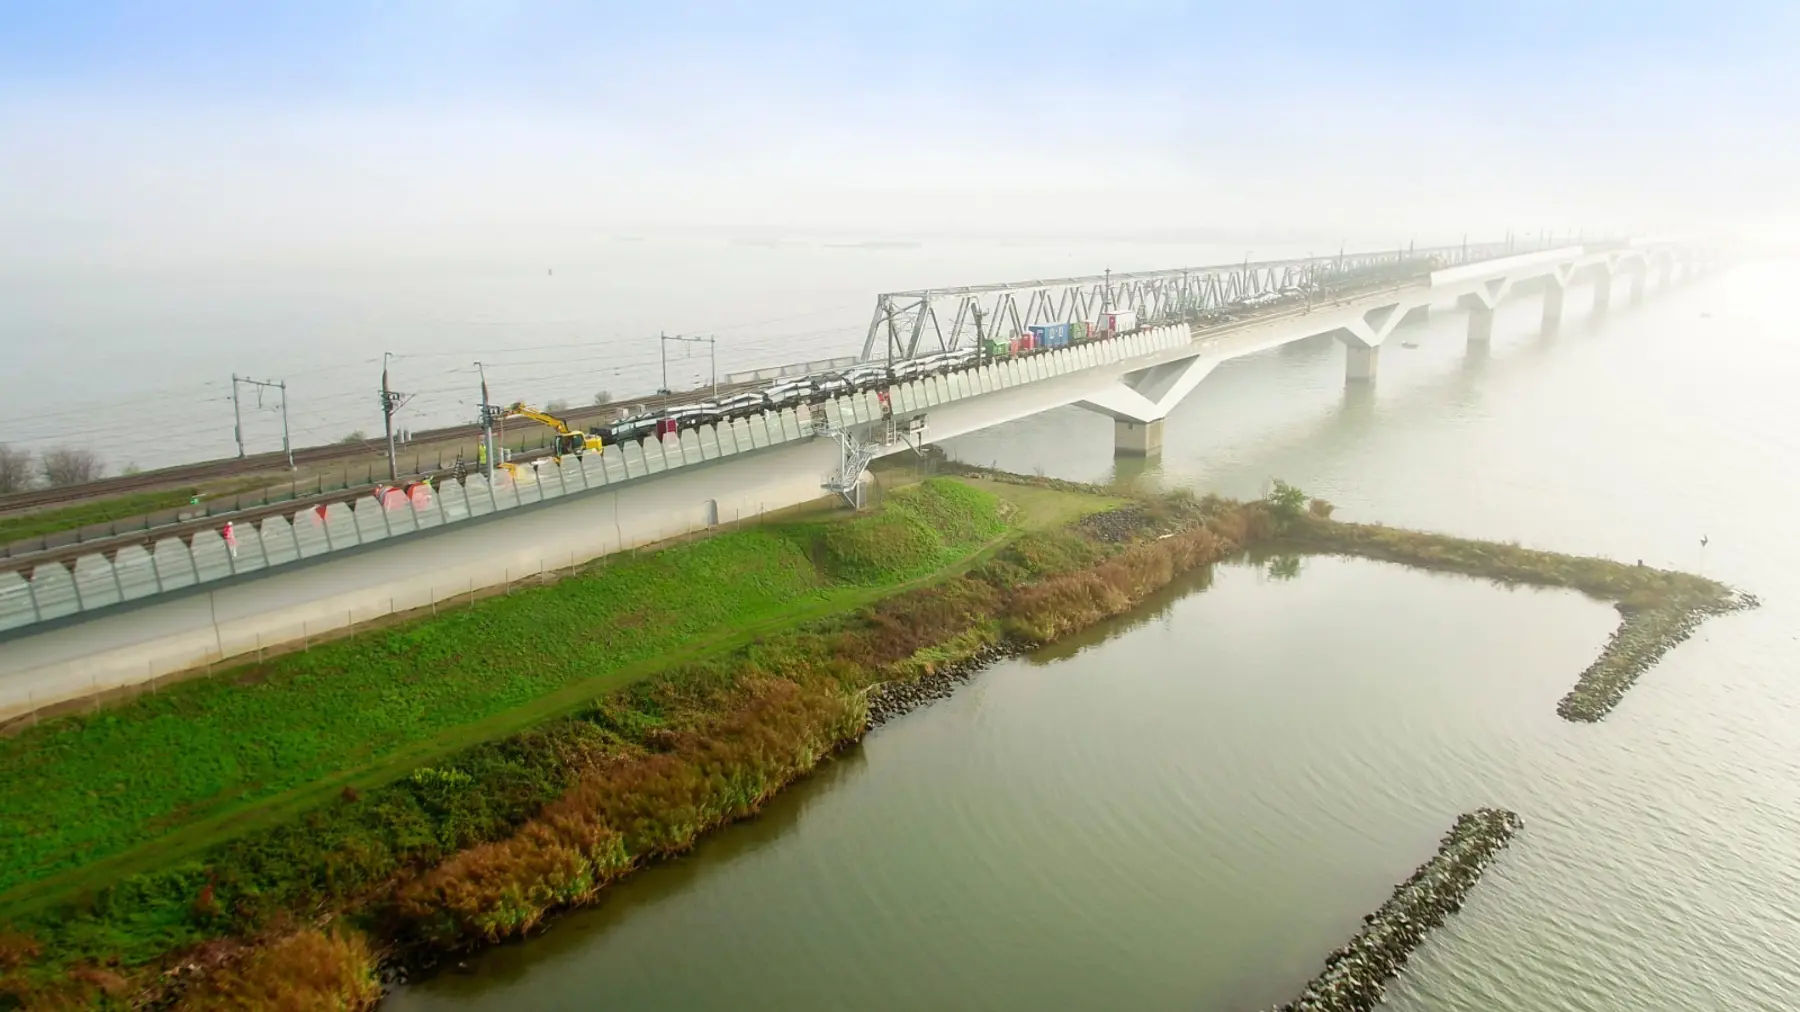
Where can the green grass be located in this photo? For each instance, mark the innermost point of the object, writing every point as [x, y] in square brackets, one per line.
[77, 789]
[166, 774]
[99, 511]
[914, 534]
[36, 525]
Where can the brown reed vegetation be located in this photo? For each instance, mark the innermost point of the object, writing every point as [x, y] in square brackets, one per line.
[308, 971]
[633, 809]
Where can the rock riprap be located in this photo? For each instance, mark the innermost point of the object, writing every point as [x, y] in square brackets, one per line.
[1356, 975]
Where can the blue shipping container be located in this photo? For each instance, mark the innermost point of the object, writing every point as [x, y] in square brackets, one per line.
[1051, 335]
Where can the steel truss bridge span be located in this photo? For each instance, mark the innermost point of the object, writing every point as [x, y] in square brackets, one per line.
[907, 324]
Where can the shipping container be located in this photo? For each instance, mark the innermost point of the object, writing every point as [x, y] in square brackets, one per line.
[1118, 322]
[1050, 335]
[1079, 330]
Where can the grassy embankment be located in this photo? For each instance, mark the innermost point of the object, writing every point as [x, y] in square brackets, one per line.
[481, 843]
[360, 759]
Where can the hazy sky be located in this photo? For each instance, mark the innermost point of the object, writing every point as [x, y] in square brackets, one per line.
[319, 125]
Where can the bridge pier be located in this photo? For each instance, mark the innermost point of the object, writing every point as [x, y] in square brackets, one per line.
[1360, 363]
[1140, 401]
[1603, 292]
[1554, 291]
[1481, 324]
[1137, 439]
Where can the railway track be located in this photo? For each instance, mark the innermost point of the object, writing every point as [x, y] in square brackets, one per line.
[311, 456]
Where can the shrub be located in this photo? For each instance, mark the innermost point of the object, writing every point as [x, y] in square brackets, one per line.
[67, 465]
[15, 469]
[308, 970]
[1043, 611]
[1285, 500]
[1320, 509]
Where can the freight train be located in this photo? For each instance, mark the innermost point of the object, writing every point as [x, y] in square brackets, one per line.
[879, 376]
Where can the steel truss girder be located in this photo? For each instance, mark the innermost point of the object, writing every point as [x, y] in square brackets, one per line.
[908, 323]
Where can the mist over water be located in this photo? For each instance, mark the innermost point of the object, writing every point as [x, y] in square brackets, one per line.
[1188, 808]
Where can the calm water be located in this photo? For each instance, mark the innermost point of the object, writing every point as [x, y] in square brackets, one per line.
[1188, 808]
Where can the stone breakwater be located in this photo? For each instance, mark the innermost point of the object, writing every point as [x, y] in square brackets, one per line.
[889, 700]
[1356, 975]
[1643, 637]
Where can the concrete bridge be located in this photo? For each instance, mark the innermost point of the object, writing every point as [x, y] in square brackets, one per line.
[122, 617]
[1139, 393]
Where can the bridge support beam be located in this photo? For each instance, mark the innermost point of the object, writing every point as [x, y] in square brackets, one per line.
[1363, 337]
[1602, 292]
[1137, 439]
[1140, 401]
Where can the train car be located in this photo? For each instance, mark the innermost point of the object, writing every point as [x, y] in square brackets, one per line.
[742, 405]
[687, 416]
[627, 430]
[828, 385]
[868, 377]
[788, 394]
[995, 348]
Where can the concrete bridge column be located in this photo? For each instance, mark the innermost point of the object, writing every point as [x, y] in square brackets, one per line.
[1137, 439]
[1554, 291]
[1481, 324]
[1602, 292]
[1363, 336]
[1640, 280]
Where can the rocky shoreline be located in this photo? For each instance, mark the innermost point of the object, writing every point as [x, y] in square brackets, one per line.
[891, 700]
[1643, 637]
[1356, 975]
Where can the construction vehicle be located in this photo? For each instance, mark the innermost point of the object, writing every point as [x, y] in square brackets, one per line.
[568, 440]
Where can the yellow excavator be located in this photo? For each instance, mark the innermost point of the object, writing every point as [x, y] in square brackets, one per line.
[568, 440]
